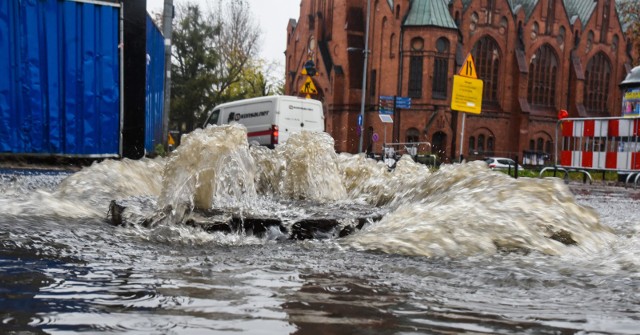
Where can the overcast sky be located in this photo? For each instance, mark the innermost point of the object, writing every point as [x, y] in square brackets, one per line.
[271, 15]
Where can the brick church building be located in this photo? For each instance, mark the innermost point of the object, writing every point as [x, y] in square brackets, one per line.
[535, 57]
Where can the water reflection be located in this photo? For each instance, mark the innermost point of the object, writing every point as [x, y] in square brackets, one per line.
[336, 304]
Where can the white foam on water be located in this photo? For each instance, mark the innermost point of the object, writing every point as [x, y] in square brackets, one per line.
[467, 209]
[456, 210]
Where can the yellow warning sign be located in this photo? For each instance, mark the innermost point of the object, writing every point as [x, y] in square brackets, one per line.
[308, 87]
[466, 95]
[468, 68]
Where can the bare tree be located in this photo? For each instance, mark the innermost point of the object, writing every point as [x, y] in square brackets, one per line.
[212, 52]
[237, 45]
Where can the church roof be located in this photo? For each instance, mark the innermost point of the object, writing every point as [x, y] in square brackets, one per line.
[430, 13]
[581, 9]
[526, 5]
[436, 12]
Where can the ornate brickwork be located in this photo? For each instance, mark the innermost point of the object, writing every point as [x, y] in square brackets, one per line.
[534, 56]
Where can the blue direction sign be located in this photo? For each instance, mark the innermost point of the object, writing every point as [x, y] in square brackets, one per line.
[359, 119]
[403, 102]
[387, 101]
[387, 111]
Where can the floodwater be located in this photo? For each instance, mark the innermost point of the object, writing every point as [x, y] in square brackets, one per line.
[462, 249]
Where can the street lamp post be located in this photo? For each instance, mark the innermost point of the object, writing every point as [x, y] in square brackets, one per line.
[167, 30]
[364, 74]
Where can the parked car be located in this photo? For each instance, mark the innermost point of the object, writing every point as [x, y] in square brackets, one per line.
[502, 163]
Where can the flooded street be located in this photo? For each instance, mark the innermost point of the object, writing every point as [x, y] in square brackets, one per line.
[462, 249]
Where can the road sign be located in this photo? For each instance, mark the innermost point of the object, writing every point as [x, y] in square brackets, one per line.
[403, 102]
[386, 118]
[308, 87]
[387, 111]
[375, 137]
[360, 120]
[466, 95]
[388, 102]
[468, 69]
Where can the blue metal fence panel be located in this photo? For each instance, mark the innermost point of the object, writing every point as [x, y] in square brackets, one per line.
[60, 92]
[154, 87]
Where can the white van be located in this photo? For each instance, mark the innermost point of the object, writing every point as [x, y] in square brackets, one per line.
[271, 120]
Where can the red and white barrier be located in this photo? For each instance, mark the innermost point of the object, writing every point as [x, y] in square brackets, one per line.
[599, 143]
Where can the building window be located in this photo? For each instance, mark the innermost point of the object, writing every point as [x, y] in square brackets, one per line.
[413, 135]
[372, 83]
[543, 70]
[472, 145]
[561, 35]
[504, 24]
[441, 69]
[597, 79]
[589, 41]
[417, 44]
[532, 145]
[392, 45]
[548, 147]
[415, 77]
[474, 21]
[486, 54]
[480, 143]
[355, 19]
[540, 143]
[550, 17]
[535, 30]
[490, 144]
[604, 26]
[356, 60]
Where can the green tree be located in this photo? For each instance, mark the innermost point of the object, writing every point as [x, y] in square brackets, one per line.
[629, 13]
[214, 61]
[195, 59]
[256, 79]
[238, 47]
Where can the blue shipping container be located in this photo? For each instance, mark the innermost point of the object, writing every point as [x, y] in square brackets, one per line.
[60, 83]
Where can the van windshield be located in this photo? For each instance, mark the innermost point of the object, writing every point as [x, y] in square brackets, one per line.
[213, 118]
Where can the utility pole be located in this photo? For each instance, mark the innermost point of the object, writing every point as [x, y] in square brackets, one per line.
[167, 29]
[364, 75]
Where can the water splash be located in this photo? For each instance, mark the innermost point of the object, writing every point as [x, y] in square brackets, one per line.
[371, 182]
[86, 193]
[457, 210]
[467, 209]
[211, 169]
[310, 170]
